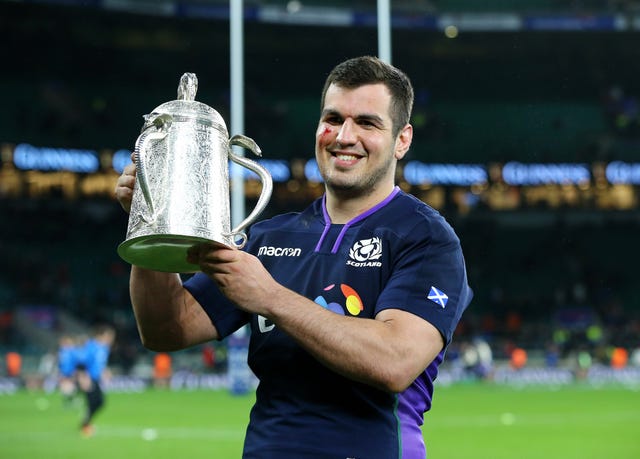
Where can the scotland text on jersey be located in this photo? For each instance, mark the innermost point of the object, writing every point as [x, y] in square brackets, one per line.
[364, 252]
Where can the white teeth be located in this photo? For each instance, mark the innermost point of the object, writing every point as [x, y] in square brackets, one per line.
[346, 157]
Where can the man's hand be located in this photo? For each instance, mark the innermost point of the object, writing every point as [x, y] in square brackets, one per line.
[239, 275]
[124, 187]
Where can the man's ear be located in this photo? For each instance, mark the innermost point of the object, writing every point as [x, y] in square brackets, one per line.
[403, 141]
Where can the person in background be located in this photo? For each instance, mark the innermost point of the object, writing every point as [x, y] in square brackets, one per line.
[91, 368]
[13, 361]
[351, 303]
[66, 362]
[162, 370]
[209, 358]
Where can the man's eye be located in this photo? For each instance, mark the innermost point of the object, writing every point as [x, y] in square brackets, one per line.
[367, 123]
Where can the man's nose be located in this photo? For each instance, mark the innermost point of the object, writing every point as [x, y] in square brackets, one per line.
[347, 133]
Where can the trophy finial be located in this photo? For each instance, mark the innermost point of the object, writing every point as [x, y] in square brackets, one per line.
[188, 87]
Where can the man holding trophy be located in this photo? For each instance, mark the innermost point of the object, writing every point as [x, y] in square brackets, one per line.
[351, 303]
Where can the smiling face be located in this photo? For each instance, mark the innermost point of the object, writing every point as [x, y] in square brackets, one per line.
[356, 148]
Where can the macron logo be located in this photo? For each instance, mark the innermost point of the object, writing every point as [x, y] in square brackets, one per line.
[269, 251]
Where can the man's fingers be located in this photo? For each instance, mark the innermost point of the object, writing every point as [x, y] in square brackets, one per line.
[124, 187]
[129, 169]
[217, 254]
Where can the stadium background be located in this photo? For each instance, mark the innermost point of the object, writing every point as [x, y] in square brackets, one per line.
[547, 89]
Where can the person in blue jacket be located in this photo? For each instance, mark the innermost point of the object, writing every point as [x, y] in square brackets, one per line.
[93, 358]
[351, 302]
[67, 359]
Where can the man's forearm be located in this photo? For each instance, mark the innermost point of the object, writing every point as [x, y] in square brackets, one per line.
[152, 295]
[388, 352]
[159, 306]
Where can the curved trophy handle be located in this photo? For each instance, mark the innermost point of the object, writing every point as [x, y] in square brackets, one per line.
[265, 178]
[161, 126]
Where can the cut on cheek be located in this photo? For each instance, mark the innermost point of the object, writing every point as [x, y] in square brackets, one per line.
[324, 132]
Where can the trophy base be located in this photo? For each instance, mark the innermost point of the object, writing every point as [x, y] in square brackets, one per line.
[165, 253]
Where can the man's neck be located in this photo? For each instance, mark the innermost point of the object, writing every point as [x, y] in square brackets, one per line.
[342, 206]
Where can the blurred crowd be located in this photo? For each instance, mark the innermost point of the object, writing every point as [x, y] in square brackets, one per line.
[562, 294]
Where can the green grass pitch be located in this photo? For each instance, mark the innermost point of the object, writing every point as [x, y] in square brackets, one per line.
[468, 421]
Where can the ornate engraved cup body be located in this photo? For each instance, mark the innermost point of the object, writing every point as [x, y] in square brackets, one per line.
[181, 194]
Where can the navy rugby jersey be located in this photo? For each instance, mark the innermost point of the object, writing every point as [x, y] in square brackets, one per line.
[401, 255]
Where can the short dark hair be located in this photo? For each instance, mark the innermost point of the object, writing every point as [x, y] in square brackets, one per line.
[103, 329]
[360, 71]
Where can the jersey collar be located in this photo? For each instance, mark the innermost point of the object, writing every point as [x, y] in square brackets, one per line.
[362, 216]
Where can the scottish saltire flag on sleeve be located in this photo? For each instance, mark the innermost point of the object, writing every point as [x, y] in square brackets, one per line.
[438, 297]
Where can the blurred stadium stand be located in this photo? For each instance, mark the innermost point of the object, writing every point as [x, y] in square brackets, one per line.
[530, 81]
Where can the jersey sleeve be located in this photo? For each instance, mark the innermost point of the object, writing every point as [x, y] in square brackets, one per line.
[222, 312]
[429, 278]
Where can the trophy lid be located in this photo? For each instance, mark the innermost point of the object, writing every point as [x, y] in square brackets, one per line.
[185, 106]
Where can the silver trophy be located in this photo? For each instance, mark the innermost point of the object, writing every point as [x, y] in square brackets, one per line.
[181, 194]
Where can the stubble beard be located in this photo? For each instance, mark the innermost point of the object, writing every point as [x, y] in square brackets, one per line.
[349, 185]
